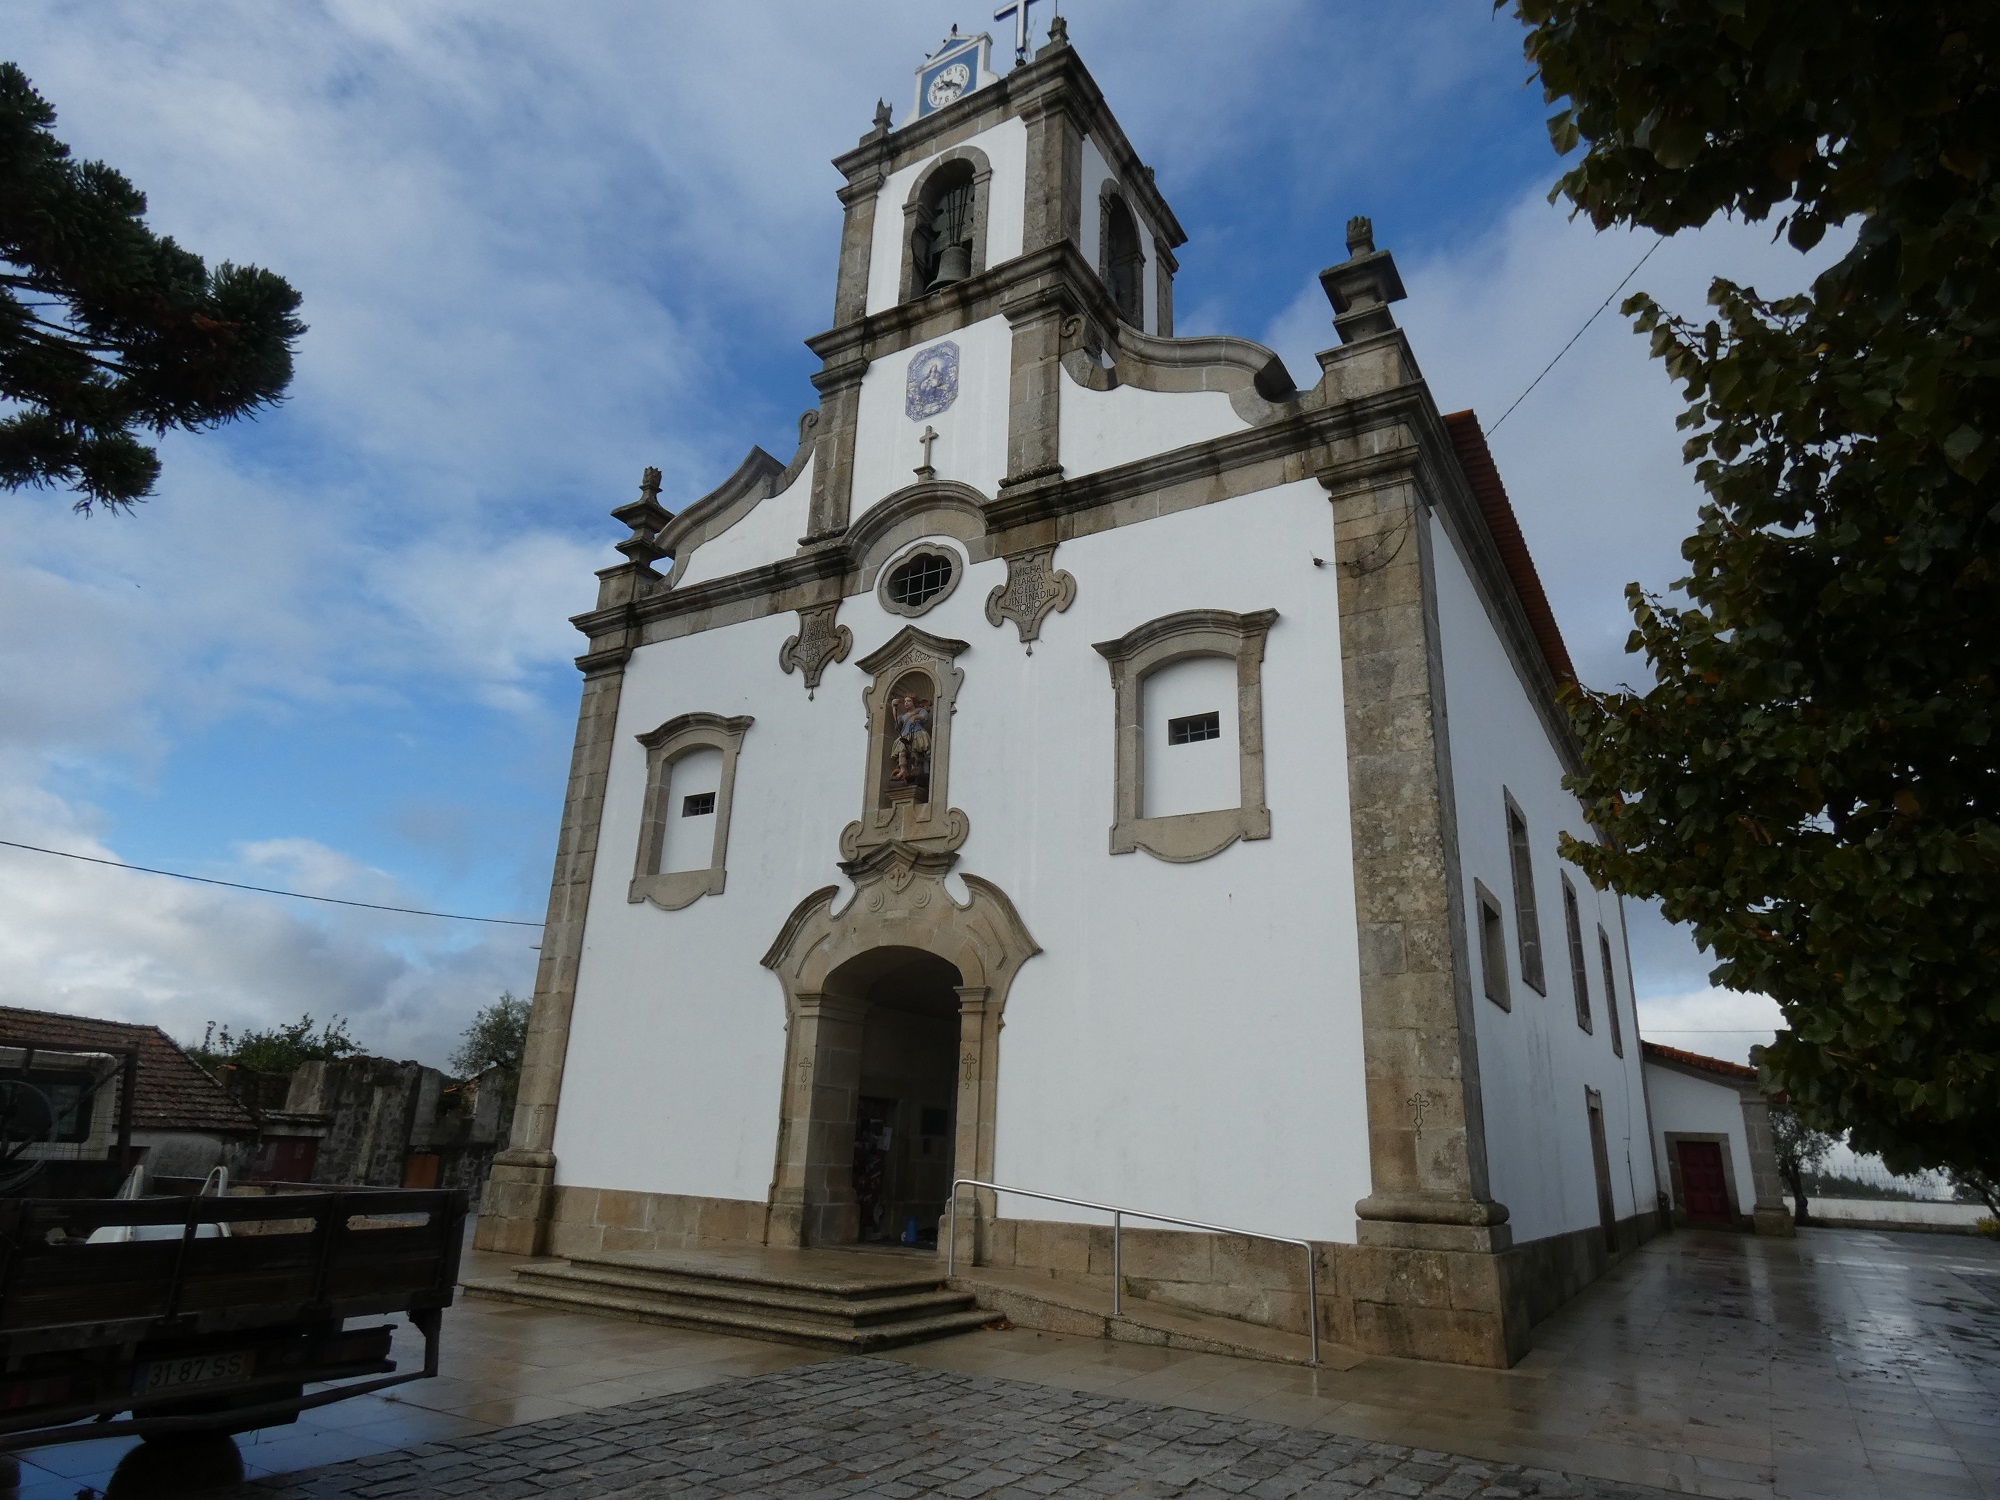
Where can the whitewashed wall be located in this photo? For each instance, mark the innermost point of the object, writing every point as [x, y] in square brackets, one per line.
[1102, 429]
[1700, 1107]
[1534, 1061]
[769, 532]
[971, 441]
[1190, 1038]
[1006, 148]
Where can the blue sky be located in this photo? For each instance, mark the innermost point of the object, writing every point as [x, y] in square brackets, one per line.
[542, 246]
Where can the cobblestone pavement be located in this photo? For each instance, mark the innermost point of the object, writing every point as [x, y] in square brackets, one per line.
[874, 1428]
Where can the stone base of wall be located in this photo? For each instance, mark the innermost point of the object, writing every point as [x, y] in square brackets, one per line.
[1458, 1306]
[514, 1208]
[1546, 1273]
[591, 1221]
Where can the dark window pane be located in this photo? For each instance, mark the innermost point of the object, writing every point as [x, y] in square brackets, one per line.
[1194, 728]
[1579, 971]
[699, 805]
[1525, 917]
[1610, 993]
[920, 580]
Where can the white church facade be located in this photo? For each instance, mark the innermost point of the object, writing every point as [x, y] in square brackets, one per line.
[1096, 761]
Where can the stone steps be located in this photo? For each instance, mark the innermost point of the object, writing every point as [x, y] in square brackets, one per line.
[810, 1302]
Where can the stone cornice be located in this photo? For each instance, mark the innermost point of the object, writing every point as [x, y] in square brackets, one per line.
[1058, 271]
[1345, 445]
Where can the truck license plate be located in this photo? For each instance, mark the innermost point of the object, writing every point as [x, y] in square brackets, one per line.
[196, 1372]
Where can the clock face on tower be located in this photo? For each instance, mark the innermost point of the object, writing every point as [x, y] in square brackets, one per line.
[949, 83]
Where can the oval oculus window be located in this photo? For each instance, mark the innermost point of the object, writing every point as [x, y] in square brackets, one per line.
[918, 579]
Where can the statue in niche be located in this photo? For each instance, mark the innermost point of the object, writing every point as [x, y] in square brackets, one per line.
[908, 773]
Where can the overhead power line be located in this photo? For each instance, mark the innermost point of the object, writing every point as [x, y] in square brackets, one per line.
[1657, 242]
[267, 890]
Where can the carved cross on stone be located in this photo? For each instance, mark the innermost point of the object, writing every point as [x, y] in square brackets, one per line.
[924, 470]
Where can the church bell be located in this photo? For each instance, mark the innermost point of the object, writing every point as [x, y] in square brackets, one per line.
[954, 264]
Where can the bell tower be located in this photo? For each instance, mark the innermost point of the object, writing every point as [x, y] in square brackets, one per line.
[1006, 209]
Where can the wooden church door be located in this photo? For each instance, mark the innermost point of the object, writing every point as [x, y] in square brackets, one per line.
[1704, 1190]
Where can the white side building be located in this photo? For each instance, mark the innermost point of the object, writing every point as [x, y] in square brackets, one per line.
[1095, 762]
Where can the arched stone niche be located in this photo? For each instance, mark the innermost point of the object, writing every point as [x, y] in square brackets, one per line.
[918, 202]
[910, 701]
[827, 963]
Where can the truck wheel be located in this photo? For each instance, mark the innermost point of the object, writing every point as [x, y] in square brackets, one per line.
[188, 1463]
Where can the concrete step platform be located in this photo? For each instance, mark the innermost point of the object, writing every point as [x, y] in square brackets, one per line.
[859, 1300]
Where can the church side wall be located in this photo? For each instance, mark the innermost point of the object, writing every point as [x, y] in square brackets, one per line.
[1230, 981]
[1535, 1062]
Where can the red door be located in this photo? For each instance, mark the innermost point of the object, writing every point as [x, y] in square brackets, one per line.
[1704, 1190]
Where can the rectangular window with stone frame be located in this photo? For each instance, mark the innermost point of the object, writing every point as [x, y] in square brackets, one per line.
[1579, 970]
[1492, 947]
[1527, 924]
[1610, 993]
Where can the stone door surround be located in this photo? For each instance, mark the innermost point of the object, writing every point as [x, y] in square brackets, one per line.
[826, 961]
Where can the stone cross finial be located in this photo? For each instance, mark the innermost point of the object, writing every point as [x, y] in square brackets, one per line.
[1360, 235]
[1018, 9]
[927, 437]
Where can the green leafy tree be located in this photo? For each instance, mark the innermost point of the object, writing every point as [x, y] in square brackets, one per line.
[1812, 780]
[106, 328]
[498, 1034]
[1801, 1152]
[278, 1049]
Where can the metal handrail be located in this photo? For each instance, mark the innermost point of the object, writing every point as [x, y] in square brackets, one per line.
[1118, 1216]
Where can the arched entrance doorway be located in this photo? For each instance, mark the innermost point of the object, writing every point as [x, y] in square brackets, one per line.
[893, 1004]
[906, 1091]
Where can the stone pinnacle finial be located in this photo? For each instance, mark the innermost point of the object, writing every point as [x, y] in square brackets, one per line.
[1058, 32]
[1362, 286]
[645, 516]
[882, 114]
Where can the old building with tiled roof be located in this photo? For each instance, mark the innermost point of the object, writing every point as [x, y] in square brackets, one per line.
[183, 1121]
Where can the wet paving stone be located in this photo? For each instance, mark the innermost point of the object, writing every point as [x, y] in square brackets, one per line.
[863, 1427]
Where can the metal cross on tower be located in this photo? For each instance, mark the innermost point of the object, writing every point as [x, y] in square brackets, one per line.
[1018, 9]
